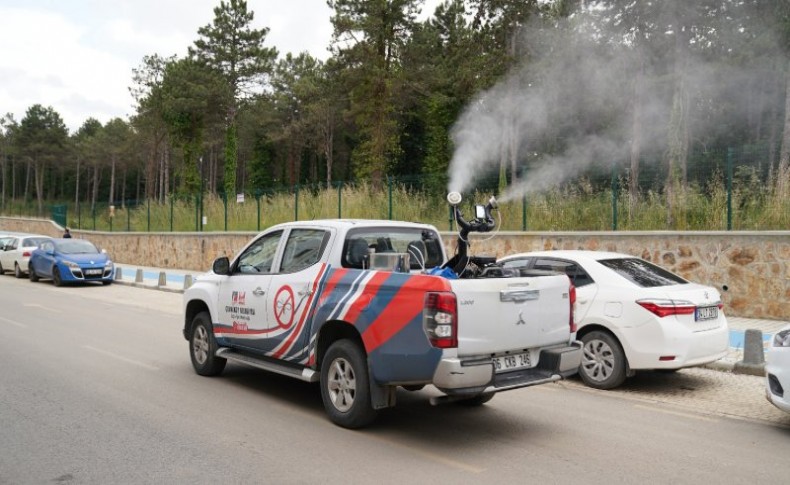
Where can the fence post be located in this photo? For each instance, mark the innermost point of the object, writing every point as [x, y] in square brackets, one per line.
[296, 202]
[524, 212]
[93, 215]
[79, 215]
[148, 214]
[258, 204]
[389, 190]
[128, 217]
[225, 205]
[615, 190]
[339, 198]
[171, 212]
[197, 215]
[730, 155]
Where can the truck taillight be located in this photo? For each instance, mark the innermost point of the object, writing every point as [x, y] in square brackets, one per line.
[440, 319]
[572, 294]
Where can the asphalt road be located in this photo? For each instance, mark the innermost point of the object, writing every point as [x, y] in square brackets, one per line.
[96, 387]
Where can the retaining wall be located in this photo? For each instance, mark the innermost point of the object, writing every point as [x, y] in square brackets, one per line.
[751, 269]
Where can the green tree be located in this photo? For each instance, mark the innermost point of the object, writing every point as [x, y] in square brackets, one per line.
[231, 46]
[193, 97]
[369, 38]
[42, 141]
[8, 127]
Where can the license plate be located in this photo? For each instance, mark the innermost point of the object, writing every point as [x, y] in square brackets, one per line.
[509, 363]
[706, 313]
[92, 272]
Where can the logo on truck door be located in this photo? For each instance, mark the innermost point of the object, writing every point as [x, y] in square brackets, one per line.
[284, 305]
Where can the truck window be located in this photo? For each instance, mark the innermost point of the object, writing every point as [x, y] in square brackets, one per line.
[303, 249]
[259, 257]
[423, 246]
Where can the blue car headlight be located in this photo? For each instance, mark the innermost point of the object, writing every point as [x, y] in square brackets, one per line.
[108, 265]
[71, 265]
[782, 339]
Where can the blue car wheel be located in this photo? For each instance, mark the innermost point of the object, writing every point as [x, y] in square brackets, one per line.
[32, 274]
[56, 279]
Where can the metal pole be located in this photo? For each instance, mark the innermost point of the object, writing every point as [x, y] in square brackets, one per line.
[524, 213]
[339, 199]
[296, 202]
[128, 217]
[171, 213]
[389, 188]
[258, 203]
[730, 155]
[614, 199]
[225, 204]
[148, 212]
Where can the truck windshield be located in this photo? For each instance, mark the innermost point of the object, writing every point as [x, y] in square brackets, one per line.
[423, 246]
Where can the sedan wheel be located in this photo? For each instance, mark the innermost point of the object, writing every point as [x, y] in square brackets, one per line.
[32, 274]
[18, 271]
[603, 361]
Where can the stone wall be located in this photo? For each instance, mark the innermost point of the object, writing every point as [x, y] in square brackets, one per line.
[751, 269]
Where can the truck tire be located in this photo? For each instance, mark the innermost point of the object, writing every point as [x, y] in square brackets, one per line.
[603, 361]
[203, 346]
[345, 385]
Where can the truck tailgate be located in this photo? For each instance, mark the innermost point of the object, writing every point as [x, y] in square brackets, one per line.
[507, 314]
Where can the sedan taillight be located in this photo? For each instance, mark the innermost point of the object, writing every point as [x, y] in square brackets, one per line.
[440, 319]
[26, 254]
[665, 308]
[572, 294]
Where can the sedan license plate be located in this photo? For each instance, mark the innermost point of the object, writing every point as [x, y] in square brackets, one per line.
[93, 272]
[706, 313]
[509, 363]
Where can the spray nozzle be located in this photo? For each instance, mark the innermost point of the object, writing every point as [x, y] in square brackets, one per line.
[454, 198]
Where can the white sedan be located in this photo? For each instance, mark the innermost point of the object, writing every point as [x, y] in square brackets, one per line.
[634, 315]
[777, 370]
[15, 251]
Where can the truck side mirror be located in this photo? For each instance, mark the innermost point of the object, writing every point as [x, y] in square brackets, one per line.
[221, 266]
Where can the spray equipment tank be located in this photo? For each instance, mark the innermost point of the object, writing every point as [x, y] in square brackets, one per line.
[483, 221]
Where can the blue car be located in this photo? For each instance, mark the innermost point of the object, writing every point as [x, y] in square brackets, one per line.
[70, 261]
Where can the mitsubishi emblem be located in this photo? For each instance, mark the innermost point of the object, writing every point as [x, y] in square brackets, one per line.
[520, 319]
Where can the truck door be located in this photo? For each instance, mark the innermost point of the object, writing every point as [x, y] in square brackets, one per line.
[242, 295]
[293, 291]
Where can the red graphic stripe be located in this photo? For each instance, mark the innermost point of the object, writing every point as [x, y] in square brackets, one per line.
[405, 306]
[332, 283]
[368, 293]
[298, 330]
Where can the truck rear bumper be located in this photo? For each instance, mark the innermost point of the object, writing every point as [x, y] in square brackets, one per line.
[455, 376]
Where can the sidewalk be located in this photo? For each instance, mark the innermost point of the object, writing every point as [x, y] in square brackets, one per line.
[177, 281]
[172, 280]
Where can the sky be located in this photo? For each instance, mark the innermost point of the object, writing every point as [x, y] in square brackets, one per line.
[77, 56]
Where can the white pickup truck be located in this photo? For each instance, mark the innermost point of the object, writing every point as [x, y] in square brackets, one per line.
[349, 304]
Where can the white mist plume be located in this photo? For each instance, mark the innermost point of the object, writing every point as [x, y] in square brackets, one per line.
[569, 106]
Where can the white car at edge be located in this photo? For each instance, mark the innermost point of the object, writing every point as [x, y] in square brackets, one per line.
[633, 315]
[777, 370]
[15, 251]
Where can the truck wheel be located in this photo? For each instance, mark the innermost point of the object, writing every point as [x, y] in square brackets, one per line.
[203, 346]
[603, 361]
[345, 386]
[32, 274]
[478, 400]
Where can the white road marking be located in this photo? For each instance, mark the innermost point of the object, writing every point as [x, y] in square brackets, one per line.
[122, 359]
[12, 322]
[677, 413]
[38, 305]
